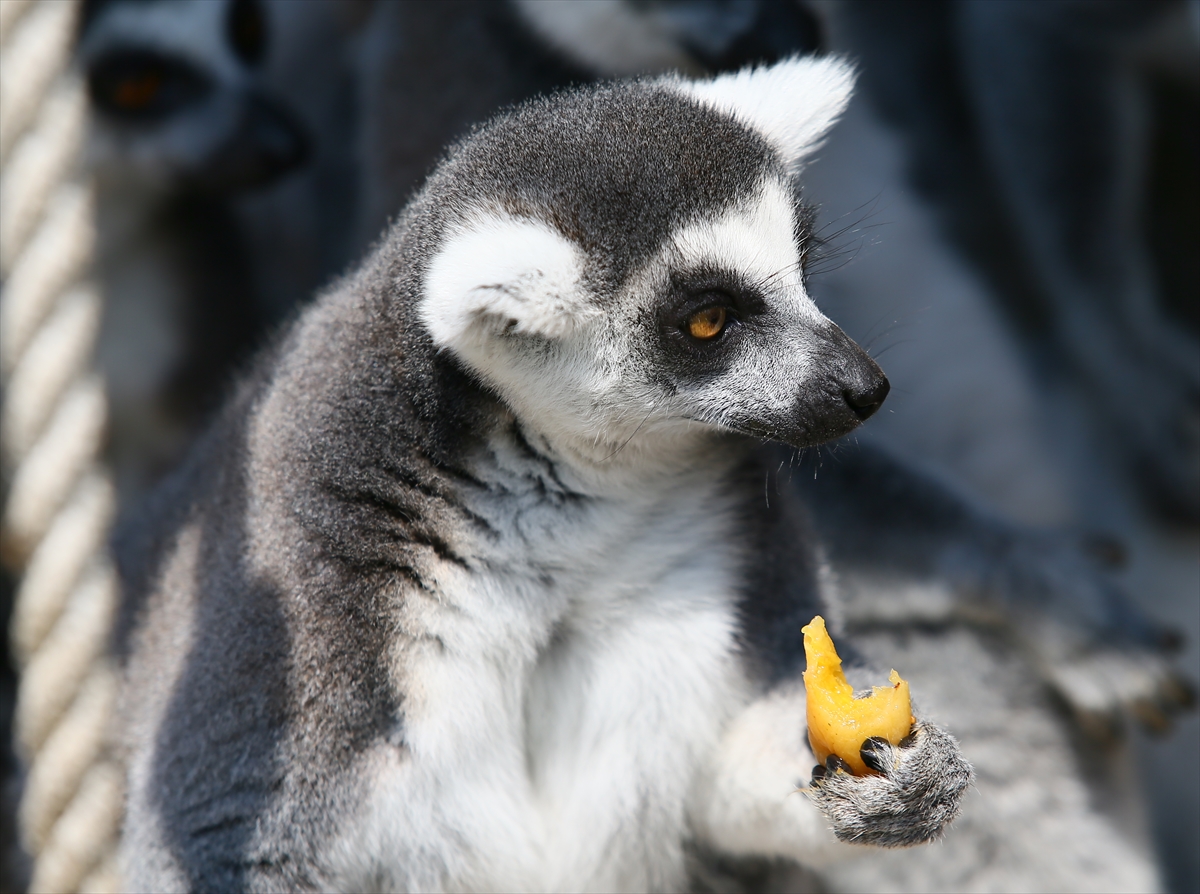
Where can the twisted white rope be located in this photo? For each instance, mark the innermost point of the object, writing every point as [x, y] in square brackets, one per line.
[60, 501]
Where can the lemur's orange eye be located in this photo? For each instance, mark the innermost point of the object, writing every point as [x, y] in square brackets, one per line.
[707, 323]
[137, 91]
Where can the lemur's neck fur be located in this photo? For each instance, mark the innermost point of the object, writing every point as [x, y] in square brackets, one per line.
[573, 526]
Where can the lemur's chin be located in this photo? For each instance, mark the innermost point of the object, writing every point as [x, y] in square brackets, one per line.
[803, 430]
[843, 409]
[821, 433]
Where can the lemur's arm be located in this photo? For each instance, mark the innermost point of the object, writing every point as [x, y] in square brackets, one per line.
[879, 518]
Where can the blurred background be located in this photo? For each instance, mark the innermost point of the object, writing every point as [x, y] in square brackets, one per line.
[1010, 216]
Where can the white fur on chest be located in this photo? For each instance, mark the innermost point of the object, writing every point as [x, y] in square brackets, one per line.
[558, 711]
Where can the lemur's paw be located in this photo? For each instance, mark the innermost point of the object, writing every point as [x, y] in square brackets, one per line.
[1097, 650]
[1103, 684]
[918, 791]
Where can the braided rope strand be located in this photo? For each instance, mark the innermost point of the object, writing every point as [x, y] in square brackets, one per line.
[60, 500]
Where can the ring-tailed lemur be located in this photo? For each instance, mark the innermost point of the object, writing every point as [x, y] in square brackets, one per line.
[474, 585]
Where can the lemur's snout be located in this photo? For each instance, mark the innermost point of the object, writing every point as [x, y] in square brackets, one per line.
[850, 390]
[865, 399]
[267, 143]
[858, 378]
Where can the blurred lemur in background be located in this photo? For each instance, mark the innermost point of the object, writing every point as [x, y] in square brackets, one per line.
[253, 149]
[226, 176]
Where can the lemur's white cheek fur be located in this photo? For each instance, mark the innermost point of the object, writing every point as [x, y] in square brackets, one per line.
[499, 273]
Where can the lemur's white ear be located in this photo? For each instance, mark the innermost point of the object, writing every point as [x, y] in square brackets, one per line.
[792, 103]
[503, 275]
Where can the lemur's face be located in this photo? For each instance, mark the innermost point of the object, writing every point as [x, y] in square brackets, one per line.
[179, 94]
[720, 321]
[620, 322]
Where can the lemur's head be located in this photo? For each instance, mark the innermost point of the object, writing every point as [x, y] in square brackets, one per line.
[202, 94]
[631, 259]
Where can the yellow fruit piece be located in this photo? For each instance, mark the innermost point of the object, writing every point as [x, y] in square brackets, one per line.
[839, 723]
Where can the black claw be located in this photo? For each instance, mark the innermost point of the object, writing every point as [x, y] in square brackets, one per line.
[1103, 728]
[1107, 550]
[909, 740]
[834, 764]
[1171, 640]
[875, 752]
[1152, 717]
[1180, 693]
[819, 773]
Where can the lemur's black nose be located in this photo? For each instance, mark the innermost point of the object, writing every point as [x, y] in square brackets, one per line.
[864, 400]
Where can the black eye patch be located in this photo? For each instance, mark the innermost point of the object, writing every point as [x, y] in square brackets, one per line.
[695, 293]
[144, 85]
[701, 322]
